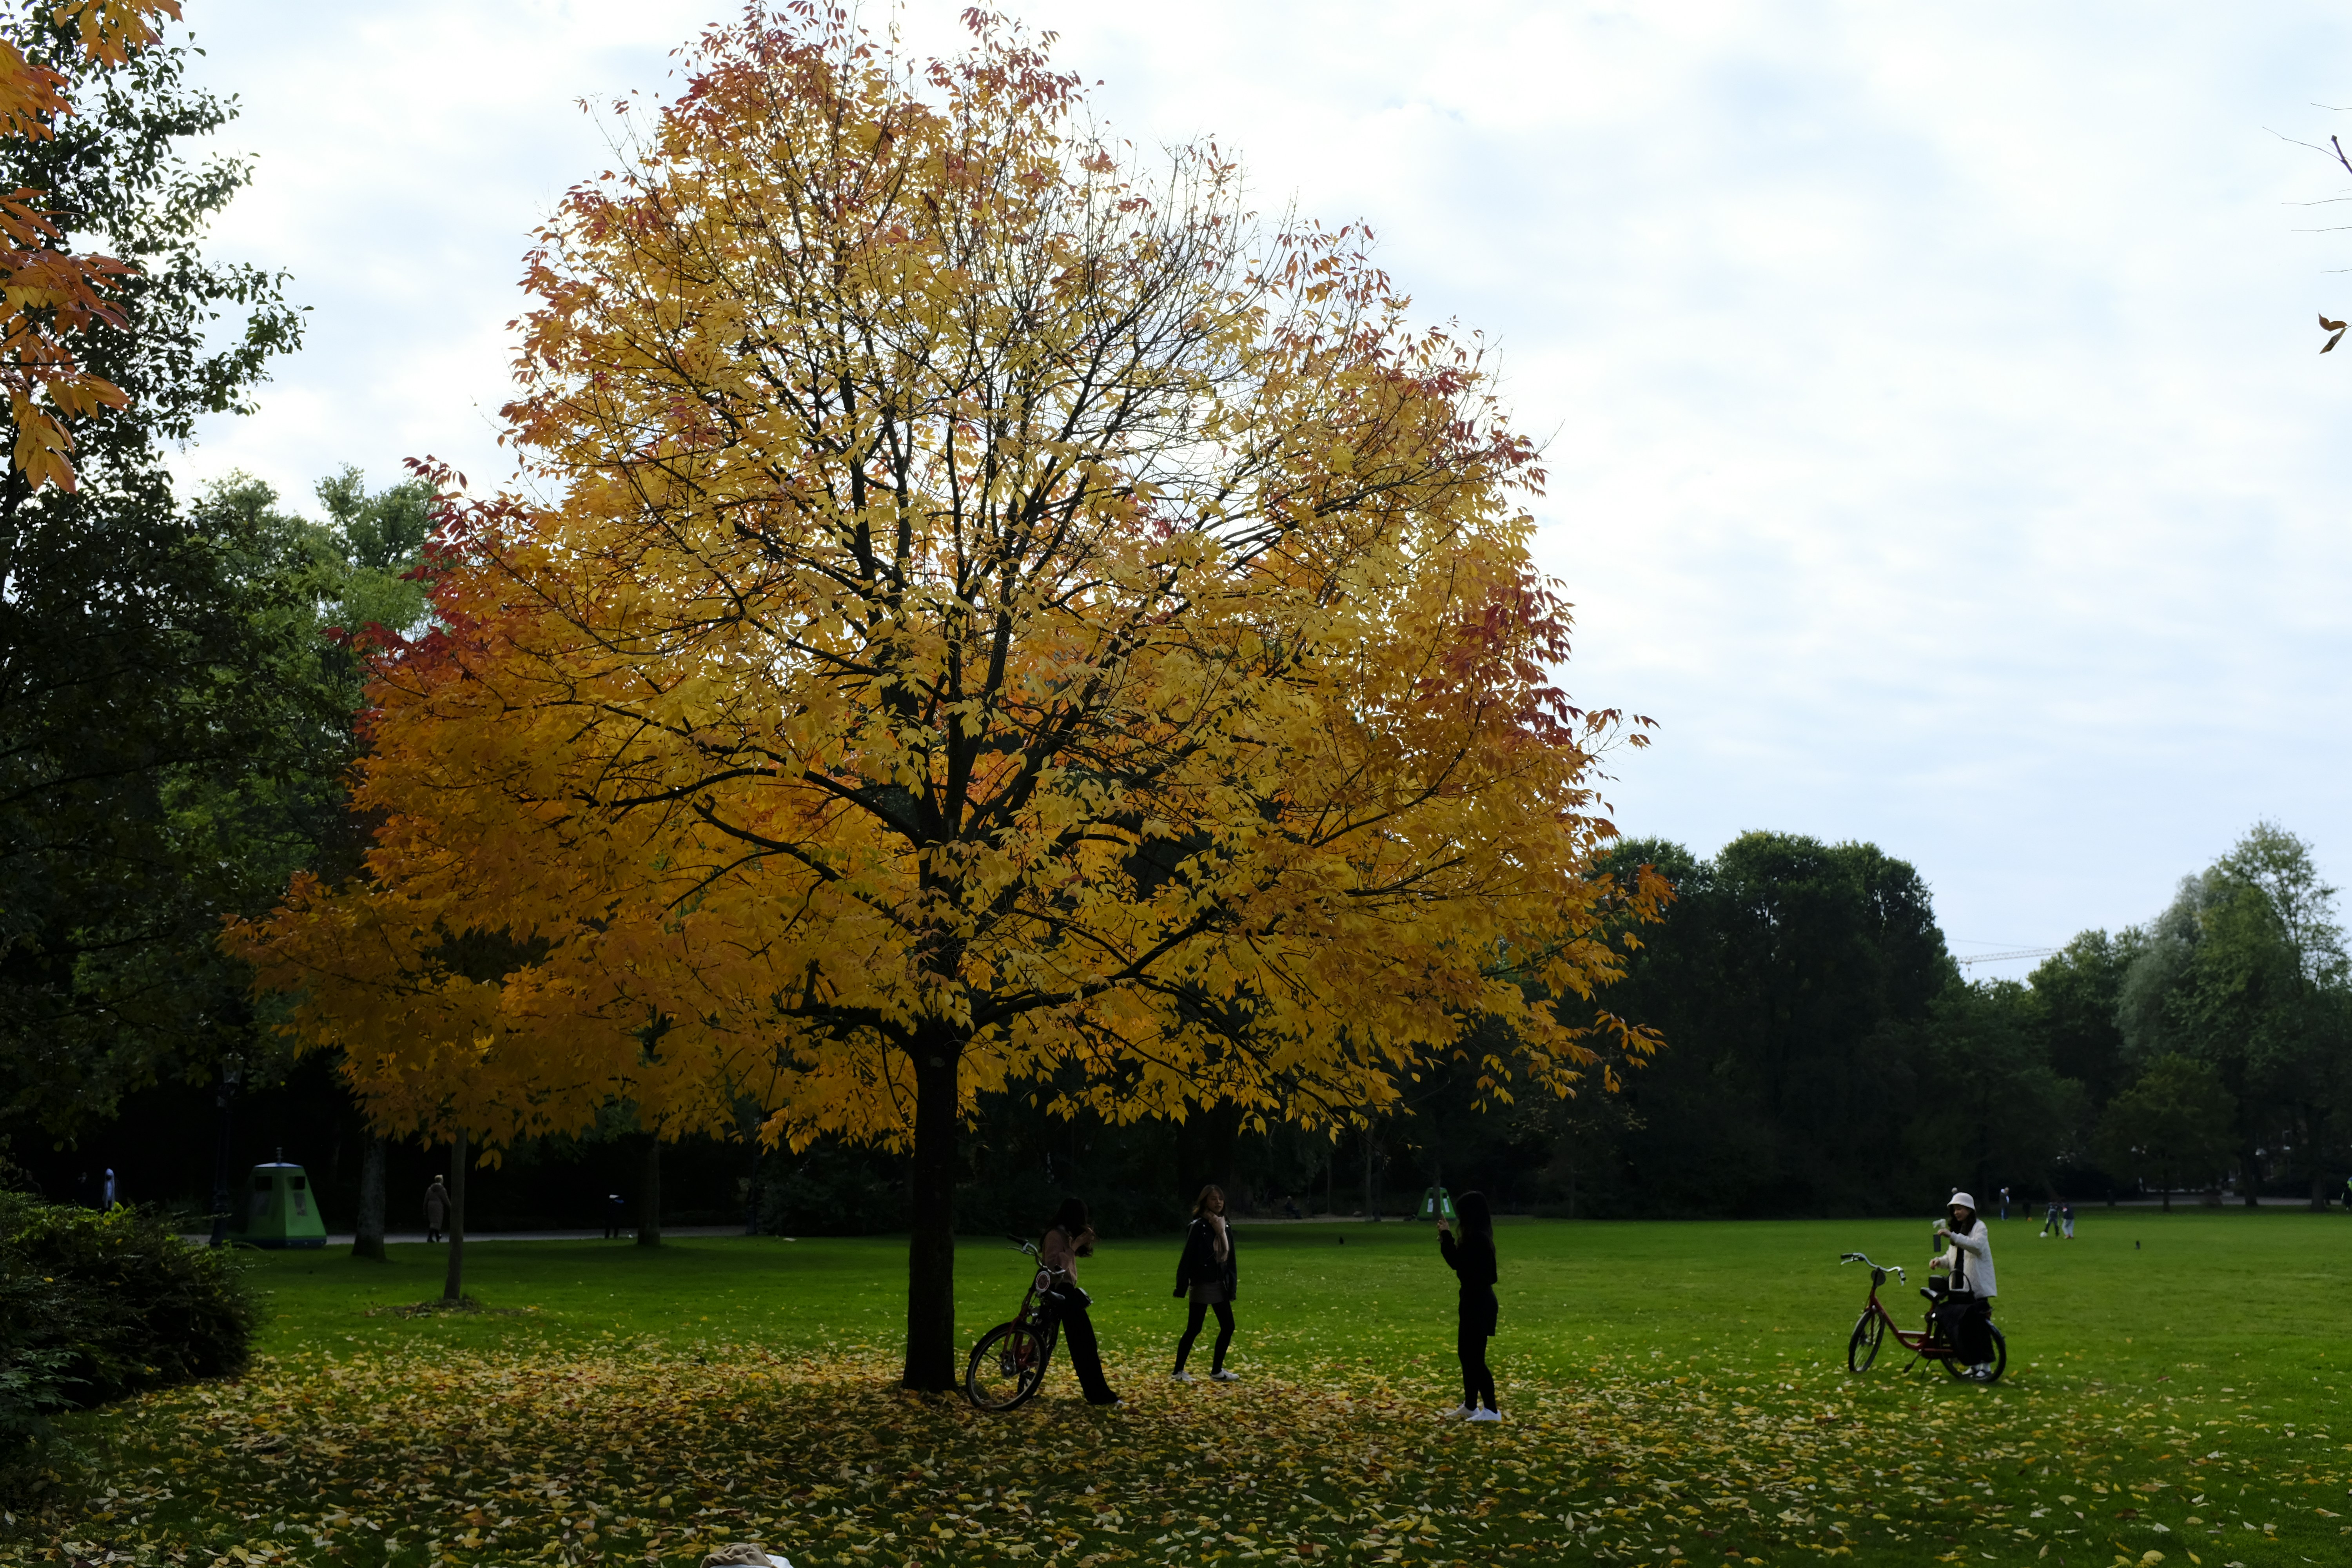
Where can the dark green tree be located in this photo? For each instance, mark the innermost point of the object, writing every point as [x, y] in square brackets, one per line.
[1772, 978]
[1991, 1108]
[2246, 972]
[135, 636]
[2072, 998]
[2177, 1120]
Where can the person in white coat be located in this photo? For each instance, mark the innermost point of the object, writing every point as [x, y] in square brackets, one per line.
[1966, 1310]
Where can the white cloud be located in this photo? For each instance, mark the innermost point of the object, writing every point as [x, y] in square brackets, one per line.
[1941, 453]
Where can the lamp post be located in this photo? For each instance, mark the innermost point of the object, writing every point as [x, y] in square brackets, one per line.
[232, 1073]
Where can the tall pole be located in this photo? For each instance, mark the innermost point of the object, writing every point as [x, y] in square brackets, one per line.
[224, 1095]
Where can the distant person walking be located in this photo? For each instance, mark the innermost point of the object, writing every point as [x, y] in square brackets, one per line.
[1211, 1275]
[437, 1209]
[108, 1194]
[2050, 1221]
[2066, 1218]
[615, 1211]
[1472, 1258]
[2004, 1202]
[1068, 1239]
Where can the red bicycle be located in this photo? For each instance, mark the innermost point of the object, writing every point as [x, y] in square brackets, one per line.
[1870, 1331]
[1008, 1365]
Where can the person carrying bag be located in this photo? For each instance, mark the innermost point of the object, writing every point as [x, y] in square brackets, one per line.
[1210, 1274]
[1965, 1309]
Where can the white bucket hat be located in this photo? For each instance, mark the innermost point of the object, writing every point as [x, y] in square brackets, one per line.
[1961, 1199]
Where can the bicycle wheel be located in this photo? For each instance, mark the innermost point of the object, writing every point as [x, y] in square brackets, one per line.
[1007, 1366]
[1862, 1348]
[2000, 1362]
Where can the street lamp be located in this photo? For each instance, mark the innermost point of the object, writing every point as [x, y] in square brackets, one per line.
[232, 1073]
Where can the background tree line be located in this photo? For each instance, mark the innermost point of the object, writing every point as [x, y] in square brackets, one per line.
[1825, 1056]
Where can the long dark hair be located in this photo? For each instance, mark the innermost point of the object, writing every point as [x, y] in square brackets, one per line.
[1070, 1219]
[1201, 1203]
[1478, 1219]
[1961, 1229]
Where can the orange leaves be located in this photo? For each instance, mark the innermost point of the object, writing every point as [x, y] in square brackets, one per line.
[36, 276]
[111, 31]
[978, 605]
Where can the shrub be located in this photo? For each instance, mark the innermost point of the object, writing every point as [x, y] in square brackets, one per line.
[97, 1306]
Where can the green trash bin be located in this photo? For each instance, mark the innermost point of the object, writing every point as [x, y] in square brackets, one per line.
[1437, 1204]
[280, 1209]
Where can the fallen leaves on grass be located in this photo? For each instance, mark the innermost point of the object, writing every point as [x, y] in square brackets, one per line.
[652, 1454]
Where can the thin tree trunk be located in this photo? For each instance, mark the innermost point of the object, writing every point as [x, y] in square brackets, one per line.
[649, 1202]
[367, 1230]
[2252, 1168]
[930, 1242]
[453, 1288]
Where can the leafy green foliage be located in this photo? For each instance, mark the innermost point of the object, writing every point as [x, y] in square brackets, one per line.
[1783, 977]
[2246, 974]
[2178, 1123]
[102, 1305]
[135, 639]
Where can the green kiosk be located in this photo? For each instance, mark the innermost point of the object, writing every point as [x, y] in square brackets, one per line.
[280, 1210]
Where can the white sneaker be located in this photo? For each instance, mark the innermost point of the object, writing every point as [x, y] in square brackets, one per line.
[1456, 1414]
[1485, 1415]
[1224, 1377]
[1179, 1376]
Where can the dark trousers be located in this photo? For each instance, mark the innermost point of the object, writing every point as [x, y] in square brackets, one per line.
[1964, 1322]
[1193, 1331]
[1478, 1377]
[1086, 1354]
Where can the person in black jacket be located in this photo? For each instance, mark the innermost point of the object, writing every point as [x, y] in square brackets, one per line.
[1209, 1272]
[1472, 1258]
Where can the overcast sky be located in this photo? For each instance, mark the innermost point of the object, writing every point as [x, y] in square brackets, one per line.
[1940, 449]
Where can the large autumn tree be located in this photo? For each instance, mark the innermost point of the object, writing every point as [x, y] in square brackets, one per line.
[991, 613]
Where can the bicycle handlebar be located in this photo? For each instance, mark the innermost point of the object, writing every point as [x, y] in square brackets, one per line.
[1863, 1257]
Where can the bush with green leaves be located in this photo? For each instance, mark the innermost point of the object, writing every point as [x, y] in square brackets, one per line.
[97, 1306]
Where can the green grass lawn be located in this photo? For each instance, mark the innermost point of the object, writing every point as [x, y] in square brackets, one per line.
[1671, 1391]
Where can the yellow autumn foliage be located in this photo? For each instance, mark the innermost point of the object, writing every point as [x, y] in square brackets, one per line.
[989, 612]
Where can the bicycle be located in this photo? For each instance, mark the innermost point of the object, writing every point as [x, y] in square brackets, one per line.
[1008, 1365]
[1870, 1330]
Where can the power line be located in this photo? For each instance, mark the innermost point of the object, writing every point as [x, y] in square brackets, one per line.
[2017, 953]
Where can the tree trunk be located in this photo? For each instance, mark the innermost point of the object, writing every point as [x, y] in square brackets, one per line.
[649, 1201]
[2318, 1191]
[453, 1288]
[930, 1242]
[367, 1230]
[2167, 1189]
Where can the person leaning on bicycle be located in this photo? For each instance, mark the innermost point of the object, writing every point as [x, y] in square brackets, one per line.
[1964, 1307]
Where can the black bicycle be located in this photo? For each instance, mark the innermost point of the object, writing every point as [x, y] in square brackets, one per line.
[1008, 1365]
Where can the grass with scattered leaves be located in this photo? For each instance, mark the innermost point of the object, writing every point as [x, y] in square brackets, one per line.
[1673, 1393]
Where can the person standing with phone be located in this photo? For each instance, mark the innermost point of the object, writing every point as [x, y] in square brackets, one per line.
[1472, 1258]
[1965, 1310]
